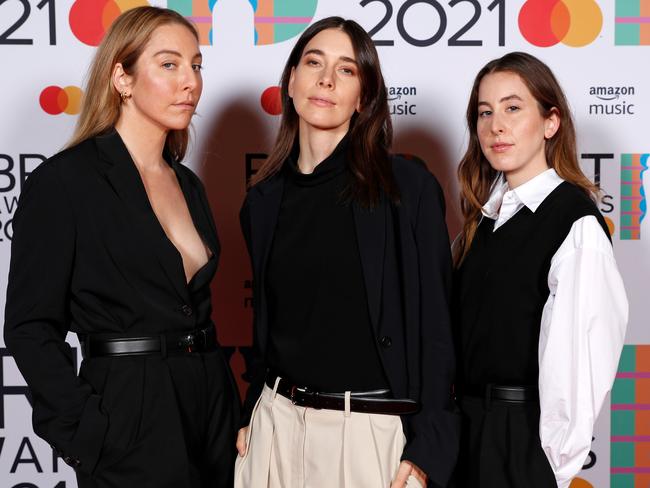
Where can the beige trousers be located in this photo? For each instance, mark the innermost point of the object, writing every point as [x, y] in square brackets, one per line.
[296, 447]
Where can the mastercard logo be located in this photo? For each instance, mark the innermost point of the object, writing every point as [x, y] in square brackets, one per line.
[574, 23]
[55, 100]
[271, 100]
[90, 19]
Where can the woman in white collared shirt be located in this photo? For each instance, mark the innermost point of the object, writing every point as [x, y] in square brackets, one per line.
[539, 305]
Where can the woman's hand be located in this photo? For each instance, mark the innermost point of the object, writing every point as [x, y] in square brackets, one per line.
[241, 441]
[405, 470]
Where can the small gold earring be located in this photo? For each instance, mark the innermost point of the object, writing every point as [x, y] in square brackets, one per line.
[124, 96]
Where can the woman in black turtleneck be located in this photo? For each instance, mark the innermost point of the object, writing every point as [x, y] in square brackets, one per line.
[353, 352]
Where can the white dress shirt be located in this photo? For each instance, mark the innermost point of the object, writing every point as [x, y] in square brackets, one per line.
[582, 329]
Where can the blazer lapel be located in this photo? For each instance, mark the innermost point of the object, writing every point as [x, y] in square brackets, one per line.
[371, 236]
[125, 180]
[264, 211]
[200, 213]
[264, 208]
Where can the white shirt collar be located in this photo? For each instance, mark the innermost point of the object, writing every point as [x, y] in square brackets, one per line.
[531, 194]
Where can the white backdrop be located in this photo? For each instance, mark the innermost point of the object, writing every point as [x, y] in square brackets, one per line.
[430, 52]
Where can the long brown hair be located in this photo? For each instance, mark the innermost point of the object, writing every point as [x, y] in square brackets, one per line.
[475, 174]
[370, 132]
[124, 43]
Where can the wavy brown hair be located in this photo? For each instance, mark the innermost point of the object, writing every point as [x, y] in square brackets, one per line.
[370, 132]
[124, 43]
[475, 174]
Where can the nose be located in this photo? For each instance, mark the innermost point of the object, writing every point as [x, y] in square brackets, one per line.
[191, 79]
[326, 79]
[496, 124]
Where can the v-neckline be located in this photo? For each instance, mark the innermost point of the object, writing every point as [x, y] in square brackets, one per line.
[124, 177]
[181, 186]
[209, 251]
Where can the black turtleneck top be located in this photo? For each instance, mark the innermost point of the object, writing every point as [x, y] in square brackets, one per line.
[320, 333]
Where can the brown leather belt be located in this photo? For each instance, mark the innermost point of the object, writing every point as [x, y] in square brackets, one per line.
[504, 393]
[375, 401]
[199, 340]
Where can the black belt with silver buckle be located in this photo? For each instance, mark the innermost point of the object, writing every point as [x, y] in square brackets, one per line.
[504, 393]
[375, 401]
[199, 340]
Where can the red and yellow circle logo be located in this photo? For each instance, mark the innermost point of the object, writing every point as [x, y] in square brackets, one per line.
[55, 100]
[90, 19]
[575, 23]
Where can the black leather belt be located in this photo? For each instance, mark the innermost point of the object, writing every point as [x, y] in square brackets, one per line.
[199, 340]
[504, 393]
[376, 401]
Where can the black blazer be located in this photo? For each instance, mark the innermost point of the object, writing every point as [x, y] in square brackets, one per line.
[406, 265]
[89, 256]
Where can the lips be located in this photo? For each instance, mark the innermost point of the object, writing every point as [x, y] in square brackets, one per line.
[186, 105]
[321, 102]
[500, 147]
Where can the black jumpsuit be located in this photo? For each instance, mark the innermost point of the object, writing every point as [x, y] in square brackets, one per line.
[90, 257]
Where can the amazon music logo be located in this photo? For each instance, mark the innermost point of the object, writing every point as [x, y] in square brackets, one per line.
[612, 100]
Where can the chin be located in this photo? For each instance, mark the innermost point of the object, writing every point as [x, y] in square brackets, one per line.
[324, 123]
[501, 164]
[178, 124]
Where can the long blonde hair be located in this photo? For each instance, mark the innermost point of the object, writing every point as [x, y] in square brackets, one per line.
[475, 174]
[124, 43]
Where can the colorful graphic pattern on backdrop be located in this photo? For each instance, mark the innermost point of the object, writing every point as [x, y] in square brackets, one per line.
[633, 195]
[630, 414]
[277, 21]
[632, 22]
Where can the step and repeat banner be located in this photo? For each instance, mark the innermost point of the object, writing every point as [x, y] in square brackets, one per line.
[430, 52]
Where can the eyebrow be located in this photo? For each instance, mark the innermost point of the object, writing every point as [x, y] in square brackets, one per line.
[321, 53]
[176, 53]
[504, 99]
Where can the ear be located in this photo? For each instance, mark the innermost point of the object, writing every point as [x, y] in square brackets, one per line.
[552, 123]
[292, 77]
[357, 107]
[121, 80]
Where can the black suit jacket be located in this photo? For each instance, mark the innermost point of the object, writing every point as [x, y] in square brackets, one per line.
[89, 256]
[406, 265]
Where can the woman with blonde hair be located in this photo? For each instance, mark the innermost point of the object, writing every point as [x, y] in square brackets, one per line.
[114, 241]
[539, 306]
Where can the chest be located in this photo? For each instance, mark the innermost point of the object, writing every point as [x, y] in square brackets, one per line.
[314, 232]
[512, 261]
[171, 210]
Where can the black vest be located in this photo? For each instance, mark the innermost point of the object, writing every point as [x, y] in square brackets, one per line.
[501, 288]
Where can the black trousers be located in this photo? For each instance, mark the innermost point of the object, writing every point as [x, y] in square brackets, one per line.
[500, 446]
[172, 421]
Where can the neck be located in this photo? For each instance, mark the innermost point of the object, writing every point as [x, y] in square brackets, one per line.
[525, 174]
[316, 145]
[144, 139]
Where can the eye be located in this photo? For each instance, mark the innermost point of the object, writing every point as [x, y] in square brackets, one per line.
[311, 62]
[512, 108]
[484, 113]
[168, 65]
[347, 71]
[197, 67]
